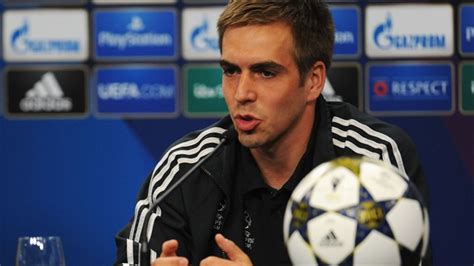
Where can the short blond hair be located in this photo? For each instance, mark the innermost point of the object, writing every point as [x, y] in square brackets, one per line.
[310, 22]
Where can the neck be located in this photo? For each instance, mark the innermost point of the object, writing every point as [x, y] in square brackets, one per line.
[278, 161]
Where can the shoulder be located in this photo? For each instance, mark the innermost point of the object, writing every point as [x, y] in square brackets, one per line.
[346, 116]
[183, 154]
[195, 144]
[366, 135]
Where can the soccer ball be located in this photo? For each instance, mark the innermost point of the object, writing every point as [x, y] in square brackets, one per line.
[356, 211]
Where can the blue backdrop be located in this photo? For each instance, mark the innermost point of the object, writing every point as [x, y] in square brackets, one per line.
[78, 179]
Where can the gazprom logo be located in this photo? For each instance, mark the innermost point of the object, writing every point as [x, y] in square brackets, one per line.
[141, 34]
[199, 34]
[409, 31]
[42, 35]
[22, 42]
[202, 40]
[384, 38]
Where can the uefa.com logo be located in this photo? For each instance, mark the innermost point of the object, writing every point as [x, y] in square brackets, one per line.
[199, 35]
[42, 35]
[137, 33]
[408, 30]
[410, 88]
[136, 91]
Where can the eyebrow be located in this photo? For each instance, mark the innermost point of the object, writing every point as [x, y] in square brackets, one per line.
[225, 63]
[267, 65]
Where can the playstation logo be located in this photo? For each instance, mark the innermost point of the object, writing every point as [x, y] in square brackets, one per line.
[136, 24]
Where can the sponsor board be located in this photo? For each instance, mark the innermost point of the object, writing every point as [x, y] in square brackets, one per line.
[347, 31]
[205, 1]
[120, 2]
[46, 91]
[410, 88]
[406, 1]
[43, 2]
[466, 83]
[199, 35]
[344, 83]
[136, 91]
[142, 34]
[409, 30]
[466, 30]
[45, 35]
[203, 96]
[2, 93]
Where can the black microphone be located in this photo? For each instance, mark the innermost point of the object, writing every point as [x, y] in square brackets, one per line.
[227, 137]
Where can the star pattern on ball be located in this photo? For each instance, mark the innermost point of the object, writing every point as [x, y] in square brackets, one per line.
[370, 214]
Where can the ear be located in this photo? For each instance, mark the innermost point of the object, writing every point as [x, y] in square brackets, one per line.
[315, 81]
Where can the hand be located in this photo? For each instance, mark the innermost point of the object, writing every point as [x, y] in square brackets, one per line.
[168, 255]
[235, 254]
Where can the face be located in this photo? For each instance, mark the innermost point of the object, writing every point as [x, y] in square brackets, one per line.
[262, 86]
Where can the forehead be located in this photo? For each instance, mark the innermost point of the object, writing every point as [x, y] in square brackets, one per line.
[258, 42]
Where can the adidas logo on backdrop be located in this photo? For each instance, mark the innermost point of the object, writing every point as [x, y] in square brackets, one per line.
[46, 92]
[46, 95]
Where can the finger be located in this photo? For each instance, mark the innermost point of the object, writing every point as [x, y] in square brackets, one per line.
[169, 248]
[232, 250]
[171, 261]
[212, 261]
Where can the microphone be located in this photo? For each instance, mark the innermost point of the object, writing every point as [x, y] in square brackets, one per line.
[227, 137]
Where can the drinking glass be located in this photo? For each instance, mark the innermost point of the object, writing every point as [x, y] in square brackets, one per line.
[40, 251]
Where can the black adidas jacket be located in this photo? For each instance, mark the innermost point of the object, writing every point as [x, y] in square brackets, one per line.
[197, 209]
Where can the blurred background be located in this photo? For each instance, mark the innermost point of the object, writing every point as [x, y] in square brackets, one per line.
[92, 93]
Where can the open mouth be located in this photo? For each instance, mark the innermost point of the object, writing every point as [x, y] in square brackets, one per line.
[247, 118]
[246, 122]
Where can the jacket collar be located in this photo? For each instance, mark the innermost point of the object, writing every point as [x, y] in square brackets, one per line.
[323, 147]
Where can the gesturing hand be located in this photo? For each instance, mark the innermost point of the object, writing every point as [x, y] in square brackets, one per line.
[168, 255]
[235, 254]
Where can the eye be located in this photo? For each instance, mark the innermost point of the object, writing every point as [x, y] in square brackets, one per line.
[267, 74]
[229, 71]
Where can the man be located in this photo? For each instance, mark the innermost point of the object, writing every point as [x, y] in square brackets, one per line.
[274, 56]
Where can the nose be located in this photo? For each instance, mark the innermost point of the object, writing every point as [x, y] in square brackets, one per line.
[245, 91]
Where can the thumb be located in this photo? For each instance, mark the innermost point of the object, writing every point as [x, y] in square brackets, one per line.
[169, 248]
[232, 250]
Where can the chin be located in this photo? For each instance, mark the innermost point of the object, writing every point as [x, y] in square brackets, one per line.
[249, 141]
